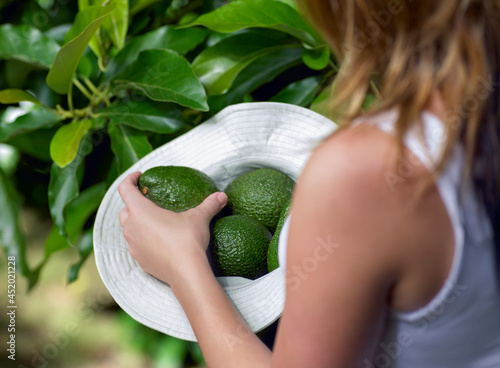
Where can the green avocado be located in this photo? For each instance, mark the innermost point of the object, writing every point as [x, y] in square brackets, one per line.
[272, 254]
[260, 194]
[176, 188]
[239, 247]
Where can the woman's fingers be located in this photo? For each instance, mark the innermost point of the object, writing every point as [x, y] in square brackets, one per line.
[212, 205]
[128, 189]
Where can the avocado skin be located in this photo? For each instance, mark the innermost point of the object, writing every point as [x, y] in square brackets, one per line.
[272, 254]
[260, 194]
[239, 247]
[176, 188]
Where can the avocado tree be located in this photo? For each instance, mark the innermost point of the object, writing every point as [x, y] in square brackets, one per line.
[89, 88]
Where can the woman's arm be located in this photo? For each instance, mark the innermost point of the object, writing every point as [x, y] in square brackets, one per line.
[344, 259]
[171, 246]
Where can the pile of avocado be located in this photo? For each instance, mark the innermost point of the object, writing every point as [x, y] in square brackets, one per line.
[242, 241]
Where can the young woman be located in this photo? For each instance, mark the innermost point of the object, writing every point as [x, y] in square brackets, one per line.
[409, 192]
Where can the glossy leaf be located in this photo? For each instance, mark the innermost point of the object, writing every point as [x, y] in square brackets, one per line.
[261, 71]
[15, 95]
[64, 145]
[146, 115]
[219, 65]
[63, 186]
[299, 93]
[27, 44]
[128, 144]
[317, 58]
[116, 25]
[9, 158]
[164, 75]
[273, 14]
[58, 33]
[11, 237]
[15, 120]
[168, 37]
[290, 3]
[94, 43]
[86, 23]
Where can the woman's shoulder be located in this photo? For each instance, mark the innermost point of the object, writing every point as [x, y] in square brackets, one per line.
[367, 156]
[369, 189]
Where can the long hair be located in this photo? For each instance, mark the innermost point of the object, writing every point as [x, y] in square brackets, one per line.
[412, 48]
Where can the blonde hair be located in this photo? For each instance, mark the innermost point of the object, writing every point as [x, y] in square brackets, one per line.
[412, 48]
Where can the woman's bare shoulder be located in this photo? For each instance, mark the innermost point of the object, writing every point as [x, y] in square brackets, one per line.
[369, 191]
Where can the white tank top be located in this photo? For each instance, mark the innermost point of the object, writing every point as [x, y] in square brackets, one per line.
[460, 327]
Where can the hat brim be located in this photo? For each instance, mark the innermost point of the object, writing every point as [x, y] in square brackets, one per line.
[238, 139]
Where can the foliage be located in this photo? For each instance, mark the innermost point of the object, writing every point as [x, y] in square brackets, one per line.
[88, 89]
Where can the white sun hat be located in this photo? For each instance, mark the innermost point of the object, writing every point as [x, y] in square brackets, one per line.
[238, 139]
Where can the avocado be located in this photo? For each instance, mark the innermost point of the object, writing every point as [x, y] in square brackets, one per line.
[272, 254]
[260, 194]
[239, 247]
[176, 188]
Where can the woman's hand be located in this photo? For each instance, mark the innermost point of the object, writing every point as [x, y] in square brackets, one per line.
[165, 243]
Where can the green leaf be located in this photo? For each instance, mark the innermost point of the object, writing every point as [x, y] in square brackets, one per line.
[316, 58]
[299, 93]
[27, 44]
[219, 65]
[370, 100]
[9, 158]
[146, 115]
[128, 144]
[82, 207]
[17, 120]
[57, 33]
[94, 43]
[273, 14]
[137, 5]
[261, 71]
[112, 173]
[77, 214]
[64, 145]
[11, 237]
[15, 95]
[61, 73]
[16, 72]
[117, 24]
[179, 40]
[84, 249]
[322, 103]
[290, 3]
[35, 143]
[63, 186]
[164, 75]
[86, 17]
